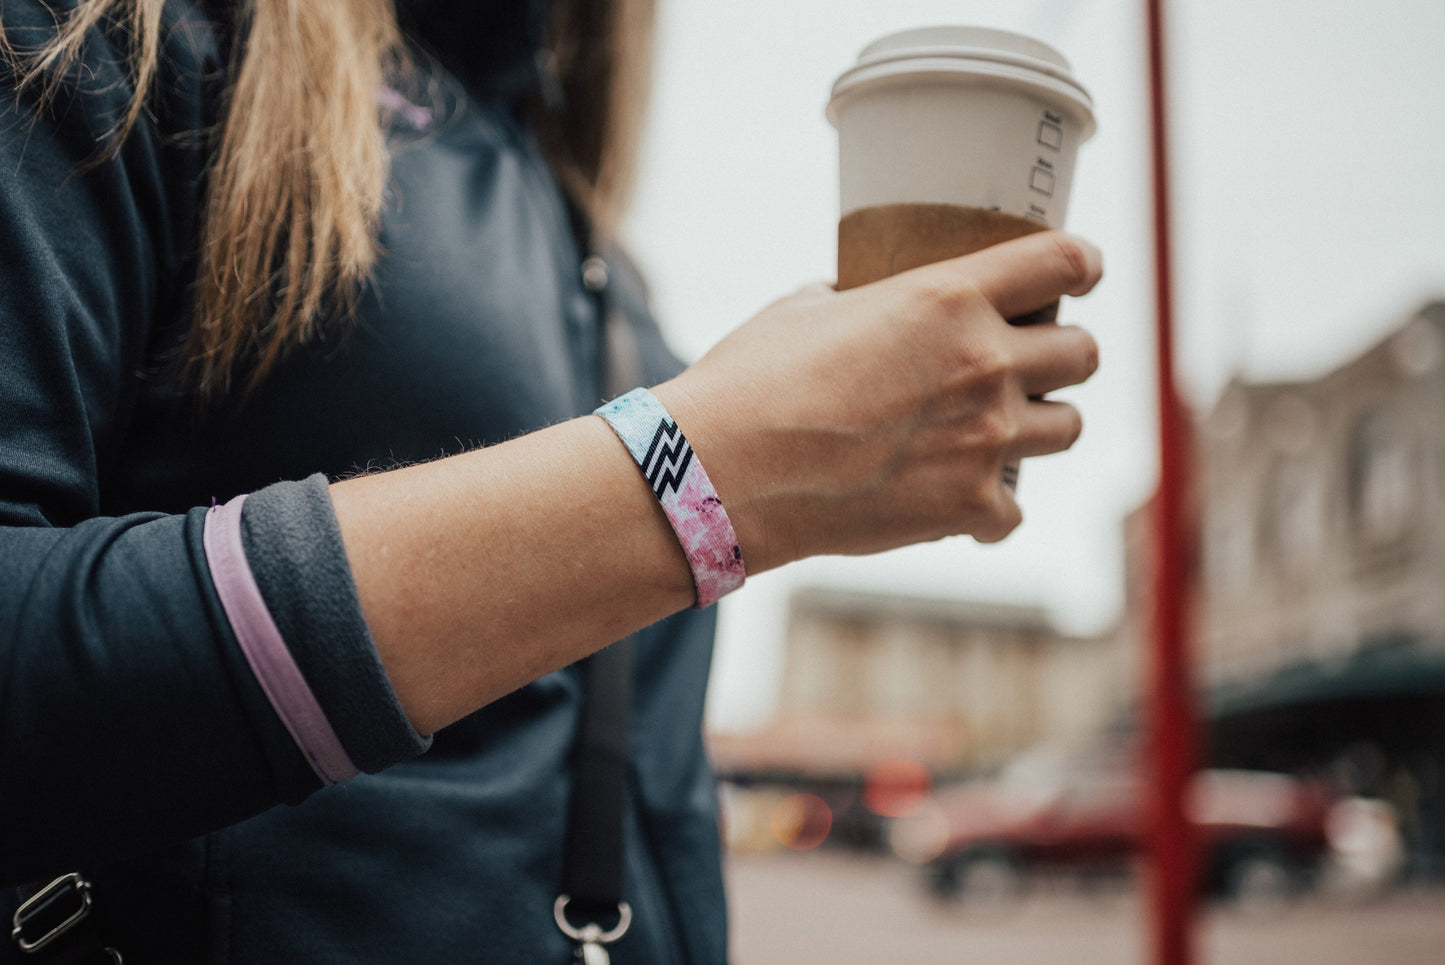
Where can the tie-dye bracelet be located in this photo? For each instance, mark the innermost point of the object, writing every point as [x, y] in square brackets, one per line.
[681, 485]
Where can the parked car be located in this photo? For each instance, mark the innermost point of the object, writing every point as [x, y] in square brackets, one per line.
[1262, 836]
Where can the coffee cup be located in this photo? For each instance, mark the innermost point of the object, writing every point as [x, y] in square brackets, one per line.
[951, 139]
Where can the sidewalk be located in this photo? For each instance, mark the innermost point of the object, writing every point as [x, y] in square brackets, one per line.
[841, 909]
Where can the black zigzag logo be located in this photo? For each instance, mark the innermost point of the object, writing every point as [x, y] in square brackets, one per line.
[667, 458]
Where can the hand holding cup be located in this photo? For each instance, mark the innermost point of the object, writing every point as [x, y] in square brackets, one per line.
[859, 421]
[951, 140]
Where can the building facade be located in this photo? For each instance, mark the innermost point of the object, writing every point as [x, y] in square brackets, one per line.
[975, 683]
[1322, 511]
[883, 695]
[1318, 590]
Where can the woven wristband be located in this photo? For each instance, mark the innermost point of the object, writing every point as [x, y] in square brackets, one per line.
[681, 485]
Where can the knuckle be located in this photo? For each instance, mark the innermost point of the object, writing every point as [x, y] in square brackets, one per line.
[985, 363]
[921, 293]
[1003, 429]
[942, 291]
[994, 429]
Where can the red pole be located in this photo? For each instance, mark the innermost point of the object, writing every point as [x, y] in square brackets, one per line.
[1172, 722]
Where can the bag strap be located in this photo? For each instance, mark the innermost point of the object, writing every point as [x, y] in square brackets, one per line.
[592, 870]
[595, 844]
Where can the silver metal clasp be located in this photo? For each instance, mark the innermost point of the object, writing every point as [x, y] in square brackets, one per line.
[591, 939]
[67, 898]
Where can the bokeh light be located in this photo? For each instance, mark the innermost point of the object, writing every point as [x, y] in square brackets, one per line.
[920, 837]
[895, 789]
[801, 822]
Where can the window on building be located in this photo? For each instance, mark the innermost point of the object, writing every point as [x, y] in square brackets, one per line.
[852, 682]
[1382, 480]
[1294, 516]
[1228, 538]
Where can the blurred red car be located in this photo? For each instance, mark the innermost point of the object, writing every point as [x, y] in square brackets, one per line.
[1262, 835]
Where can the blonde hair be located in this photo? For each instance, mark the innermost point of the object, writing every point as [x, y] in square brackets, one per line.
[299, 166]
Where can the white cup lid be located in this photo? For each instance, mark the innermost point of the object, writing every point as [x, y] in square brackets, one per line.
[978, 51]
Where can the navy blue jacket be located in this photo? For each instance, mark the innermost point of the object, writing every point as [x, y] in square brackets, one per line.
[135, 744]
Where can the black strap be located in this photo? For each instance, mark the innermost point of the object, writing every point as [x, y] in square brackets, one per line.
[592, 868]
[592, 874]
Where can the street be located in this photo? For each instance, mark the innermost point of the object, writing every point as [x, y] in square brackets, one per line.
[844, 909]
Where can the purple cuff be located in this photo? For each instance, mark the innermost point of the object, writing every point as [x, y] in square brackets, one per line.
[266, 651]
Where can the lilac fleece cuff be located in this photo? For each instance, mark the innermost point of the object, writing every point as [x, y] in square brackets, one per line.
[293, 550]
[266, 653]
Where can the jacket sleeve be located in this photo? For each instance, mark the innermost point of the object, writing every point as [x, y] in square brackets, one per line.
[131, 710]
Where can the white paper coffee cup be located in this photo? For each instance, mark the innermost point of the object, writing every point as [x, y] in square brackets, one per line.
[960, 115]
[951, 139]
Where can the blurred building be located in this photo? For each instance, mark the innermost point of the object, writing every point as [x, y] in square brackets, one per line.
[1320, 580]
[882, 694]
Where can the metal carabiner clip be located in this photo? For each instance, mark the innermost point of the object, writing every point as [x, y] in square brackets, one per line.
[591, 939]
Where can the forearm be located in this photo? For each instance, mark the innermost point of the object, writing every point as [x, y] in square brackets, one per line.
[831, 423]
[485, 571]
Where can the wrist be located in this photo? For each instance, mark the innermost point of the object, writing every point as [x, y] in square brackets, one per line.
[676, 476]
[718, 434]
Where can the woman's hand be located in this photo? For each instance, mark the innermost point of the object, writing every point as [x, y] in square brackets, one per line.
[864, 420]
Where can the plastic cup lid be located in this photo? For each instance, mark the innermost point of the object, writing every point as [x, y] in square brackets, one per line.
[1000, 55]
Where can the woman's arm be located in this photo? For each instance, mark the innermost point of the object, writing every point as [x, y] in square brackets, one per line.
[831, 423]
[129, 715]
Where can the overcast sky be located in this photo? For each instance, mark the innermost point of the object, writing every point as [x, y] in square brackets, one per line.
[1310, 220]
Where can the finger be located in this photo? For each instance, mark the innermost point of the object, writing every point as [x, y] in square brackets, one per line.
[1054, 356]
[1002, 520]
[1046, 427]
[1028, 273]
